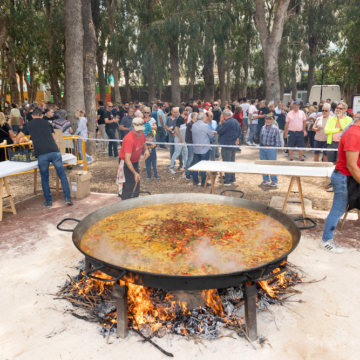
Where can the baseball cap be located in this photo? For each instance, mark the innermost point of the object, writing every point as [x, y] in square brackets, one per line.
[270, 116]
[27, 105]
[138, 124]
[207, 104]
[296, 103]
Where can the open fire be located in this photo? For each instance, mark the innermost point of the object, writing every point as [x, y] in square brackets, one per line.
[156, 312]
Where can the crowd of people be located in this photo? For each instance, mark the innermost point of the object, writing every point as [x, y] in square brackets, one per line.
[187, 131]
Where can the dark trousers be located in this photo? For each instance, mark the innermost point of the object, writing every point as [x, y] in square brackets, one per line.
[311, 135]
[151, 160]
[228, 154]
[112, 144]
[162, 135]
[198, 158]
[172, 150]
[129, 183]
[333, 155]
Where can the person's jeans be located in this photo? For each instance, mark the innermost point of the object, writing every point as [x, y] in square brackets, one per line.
[112, 144]
[15, 128]
[56, 159]
[228, 154]
[172, 150]
[251, 133]
[88, 157]
[180, 149]
[162, 135]
[269, 154]
[311, 135]
[339, 205]
[282, 140]
[213, 151]
[103, 135]
[190, 159]
[217, 149]
[148, 162]
[198, 158]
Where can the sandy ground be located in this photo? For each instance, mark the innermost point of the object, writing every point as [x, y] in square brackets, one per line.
[35, 326]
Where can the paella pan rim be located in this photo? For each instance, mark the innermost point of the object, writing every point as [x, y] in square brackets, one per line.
[120, 206]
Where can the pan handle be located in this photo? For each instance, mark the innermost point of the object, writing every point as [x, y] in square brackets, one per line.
[139, 192]
[306, 227]
[100, 279]
[239, 191]
[66, 219]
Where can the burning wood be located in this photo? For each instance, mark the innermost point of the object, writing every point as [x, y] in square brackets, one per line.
[154, 312]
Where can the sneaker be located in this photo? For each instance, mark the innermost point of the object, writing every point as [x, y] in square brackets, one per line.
[272, 184]
[330, 245]
[233, 181]
[291, 159]
[180, 167]
[266, 183]
[89, 162]
[48, 204]
[157, 178]
[148, 178]
[287, 154]
[304, 156]
[188, 177]
[227, 183]
[172, 171]
[197, 183]
[249, 143]
[168, 166]
[68, 201]
[207, 185]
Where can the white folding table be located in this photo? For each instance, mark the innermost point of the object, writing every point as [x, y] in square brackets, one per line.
[213, 167]
[8, 168]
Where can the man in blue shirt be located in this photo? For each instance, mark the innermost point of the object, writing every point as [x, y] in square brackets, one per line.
[154, 112]
[229, 132]
[269, 136]
[213, 126]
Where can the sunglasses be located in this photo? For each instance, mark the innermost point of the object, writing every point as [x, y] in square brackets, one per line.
[325, 110]
[138, 124]
[146, 112]
[216, 104]
[340, 108]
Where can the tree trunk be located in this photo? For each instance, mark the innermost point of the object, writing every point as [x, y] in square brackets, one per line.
[21, 84]
[175, 73]
[3, 27]
[270, 42]
[208, 69]
[221, 73]
[236, 91]
[127, 83]
[3, 70]
[110, 4]
[28, 89]
[101, 76]
[159, 90]
[151, 79]
[246, 67]
[12, 74]
[74, 60]
[293, 79]
[313, 43]
[89, 73]
[228, 74]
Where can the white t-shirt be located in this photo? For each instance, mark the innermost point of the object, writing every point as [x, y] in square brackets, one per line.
[245, 107]
[152, 121]
[254, 111]
[277, 112]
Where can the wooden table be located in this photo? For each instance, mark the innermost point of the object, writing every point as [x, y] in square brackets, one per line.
[295, 169]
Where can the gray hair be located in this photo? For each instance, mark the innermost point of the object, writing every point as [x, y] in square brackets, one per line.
[227, 112]
[62, 114]
[193, 115]
[327, 105]
[200, 116]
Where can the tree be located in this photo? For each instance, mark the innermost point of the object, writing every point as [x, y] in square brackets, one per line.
[269, 18]
[89, 72]
[3, 25]
[74, 61]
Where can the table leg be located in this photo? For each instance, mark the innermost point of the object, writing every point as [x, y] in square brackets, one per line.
[57, 186]
[206, 180]
[1, 197]
[12, 205]
[212, 180]
[35, 181]
[301, 198]
[288, 194]
[222, 181]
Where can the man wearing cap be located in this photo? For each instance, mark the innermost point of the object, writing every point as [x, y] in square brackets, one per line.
[133, 145]
[269, 136]
[294, 129]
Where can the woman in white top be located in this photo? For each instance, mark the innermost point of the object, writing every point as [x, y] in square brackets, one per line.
[81, 130]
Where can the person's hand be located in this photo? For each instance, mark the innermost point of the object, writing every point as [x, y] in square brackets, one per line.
[286, 134]
[137, 177]
[147, 153]
[237, 142]
[180, 139]
[215, 132]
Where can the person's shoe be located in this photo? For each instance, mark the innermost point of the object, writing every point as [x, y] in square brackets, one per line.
[330, 189]
[180, 167]
[302, 159]
[331, 246]
[168, 166]
[172, 171]
[217, 156]
[264, 183]
[188, 177]
[207, 185]
[291, 159]
[68, 201]
[249, 143]
[272, 184]
[48, 204]
[148, 178]
[89, 162]
[287, 154]
[68, 167]
[233, 181]
[330, 184]
[227, 183]
[197, 183]
[157, 178]
[304, 156]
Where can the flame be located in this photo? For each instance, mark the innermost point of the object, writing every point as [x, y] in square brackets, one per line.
[84, 286]
[278, 282]
[213, 300]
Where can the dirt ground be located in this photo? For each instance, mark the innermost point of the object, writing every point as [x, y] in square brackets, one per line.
[104, 170]
[35, 259]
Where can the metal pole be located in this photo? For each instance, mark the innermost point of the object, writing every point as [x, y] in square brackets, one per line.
[250, 311]
[322, 80]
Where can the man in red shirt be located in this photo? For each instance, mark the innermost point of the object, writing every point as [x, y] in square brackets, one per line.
[348, 164]
[133, 145]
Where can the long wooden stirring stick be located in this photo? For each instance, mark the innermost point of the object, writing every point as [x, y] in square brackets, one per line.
[141, 167]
